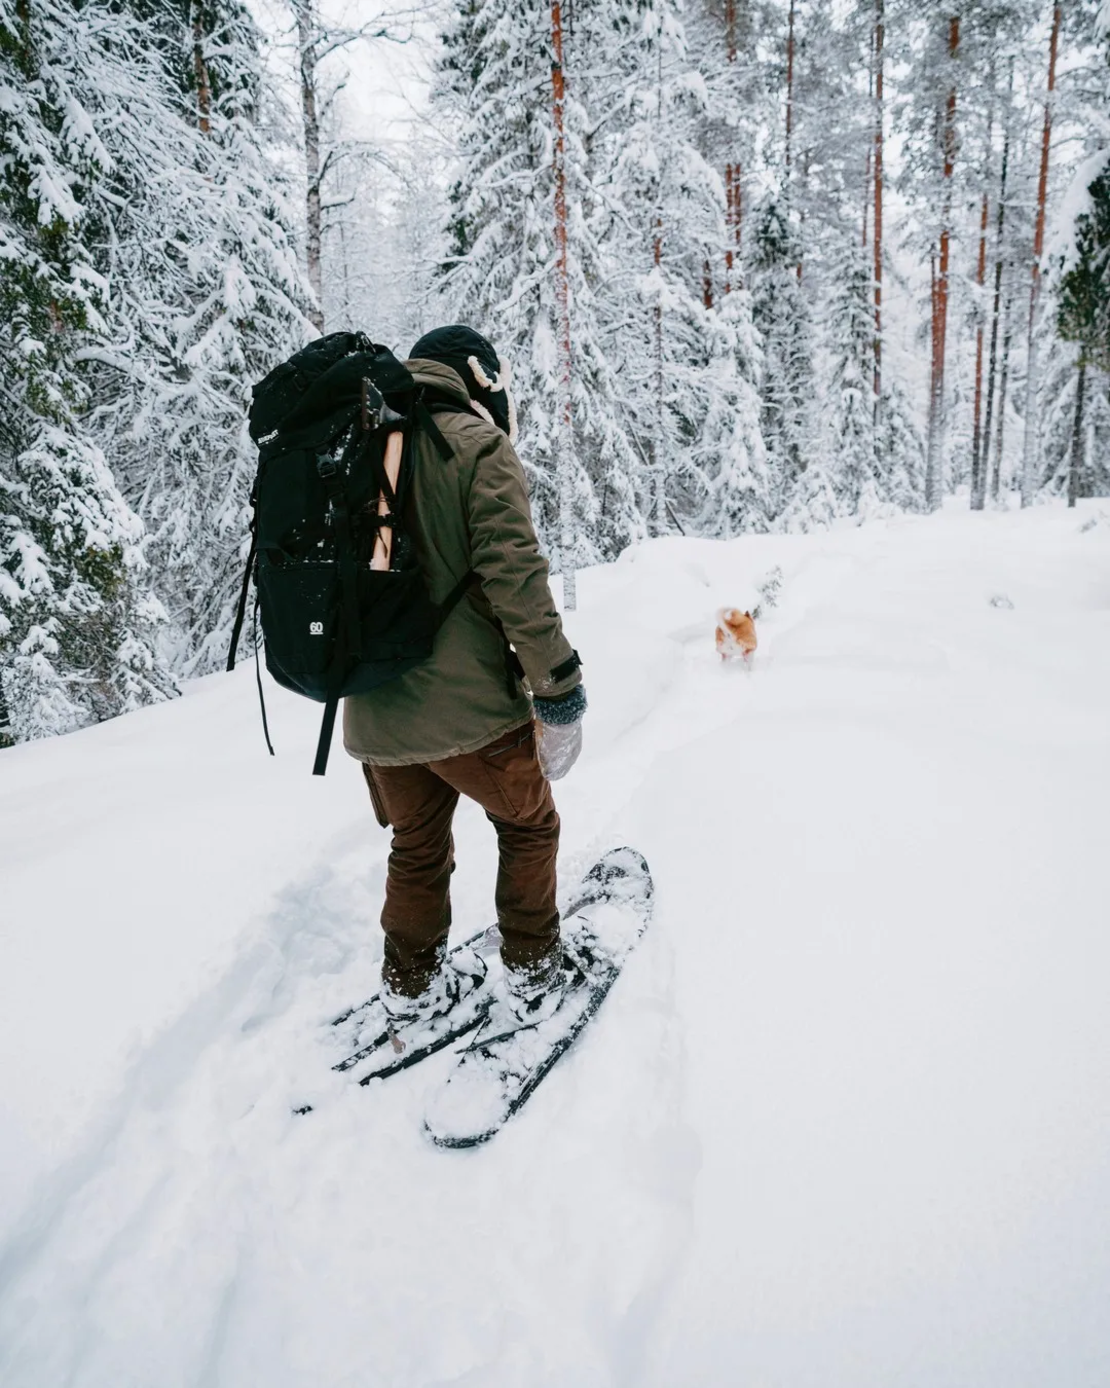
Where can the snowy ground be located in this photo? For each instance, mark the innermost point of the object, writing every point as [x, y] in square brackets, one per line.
[844, 1121]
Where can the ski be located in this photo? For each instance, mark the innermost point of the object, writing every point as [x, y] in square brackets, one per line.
[505, 1062]
[379, 1049]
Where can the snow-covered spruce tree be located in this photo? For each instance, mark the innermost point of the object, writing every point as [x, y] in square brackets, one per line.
[782, 318]
[77, 626]
[495, 86]
[688, 367]
[1083, 319]
[723, 38]
[850, 334]
[205, 296]
[1082, 288]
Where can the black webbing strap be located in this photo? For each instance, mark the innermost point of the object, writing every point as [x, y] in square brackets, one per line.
[327, 723]
[258, 681]
[424, 414]
[348, 638]
[241, 609]
[514, 671]
[561, 672]
[454, 597]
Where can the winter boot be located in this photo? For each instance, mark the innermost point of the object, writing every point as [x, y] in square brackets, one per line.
[533, 994]
[437, 999]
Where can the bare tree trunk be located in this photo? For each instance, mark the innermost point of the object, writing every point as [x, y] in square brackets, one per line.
[866, 198]
[791, 48]
[658, 455]
[200, 70]
[1000, 227]
[1076, 471]
[565, 432]
[1007, 340]
[306, 45]
[789, 88]
[734, 224]
[934, 461]
[867, 157]
[878, 180]
[978, 453]
[1032, 374]
[733, 205]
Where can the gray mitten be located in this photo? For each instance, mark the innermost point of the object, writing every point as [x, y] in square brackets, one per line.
[559, 732]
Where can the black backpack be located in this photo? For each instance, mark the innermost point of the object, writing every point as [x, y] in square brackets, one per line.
[331, 624]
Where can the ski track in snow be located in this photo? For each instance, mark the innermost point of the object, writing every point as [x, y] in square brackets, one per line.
[844, 1119]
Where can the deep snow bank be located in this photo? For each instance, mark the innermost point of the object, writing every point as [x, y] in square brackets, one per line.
[845, 1120]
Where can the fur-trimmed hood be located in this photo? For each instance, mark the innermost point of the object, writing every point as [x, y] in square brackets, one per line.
[486, 376]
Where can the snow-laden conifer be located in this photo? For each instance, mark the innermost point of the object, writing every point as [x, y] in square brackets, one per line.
[495, 86]
[850, 335]
[781, 314]
[688, 364]
[205, 296]
[77, 625]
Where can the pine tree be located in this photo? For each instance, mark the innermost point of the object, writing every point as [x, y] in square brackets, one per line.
[1083, 318]
[1029, 464]
[781, 316]
[207, 296]
[77, 626]
[501, 269]
[850, 331]
[688, 369]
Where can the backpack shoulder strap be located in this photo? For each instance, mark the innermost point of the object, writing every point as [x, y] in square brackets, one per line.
[430, 402]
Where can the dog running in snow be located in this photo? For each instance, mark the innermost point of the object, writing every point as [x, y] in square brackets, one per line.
[735, 634]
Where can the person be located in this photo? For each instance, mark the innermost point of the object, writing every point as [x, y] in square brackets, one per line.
[464, 722]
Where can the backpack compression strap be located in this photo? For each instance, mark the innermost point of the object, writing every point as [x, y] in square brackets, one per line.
[334, 479]
[333, 475]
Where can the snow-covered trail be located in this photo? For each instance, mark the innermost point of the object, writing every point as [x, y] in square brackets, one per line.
[845, 1120]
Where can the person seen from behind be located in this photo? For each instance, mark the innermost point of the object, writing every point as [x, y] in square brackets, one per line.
[494, 714]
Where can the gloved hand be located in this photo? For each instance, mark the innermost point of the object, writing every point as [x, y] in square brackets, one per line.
[559, 732]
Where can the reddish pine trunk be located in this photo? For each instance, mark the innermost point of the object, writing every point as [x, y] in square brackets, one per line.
[977, 454]
[1032, 374]
[879, 36]
[562, 309]
[934, 465]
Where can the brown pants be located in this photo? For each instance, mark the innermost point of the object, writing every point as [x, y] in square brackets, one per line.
[419, 802]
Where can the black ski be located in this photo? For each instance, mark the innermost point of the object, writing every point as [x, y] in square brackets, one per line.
[381, 1049]
[504, 1063]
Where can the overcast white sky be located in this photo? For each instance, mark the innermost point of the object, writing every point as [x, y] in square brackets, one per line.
[386, 82]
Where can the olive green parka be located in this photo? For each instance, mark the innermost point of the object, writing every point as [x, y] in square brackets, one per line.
[468, 512]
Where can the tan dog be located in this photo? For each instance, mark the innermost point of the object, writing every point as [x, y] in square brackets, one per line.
[735, 634]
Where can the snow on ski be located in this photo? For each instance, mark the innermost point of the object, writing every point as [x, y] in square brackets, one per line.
[505, 1062]
[382, 1049]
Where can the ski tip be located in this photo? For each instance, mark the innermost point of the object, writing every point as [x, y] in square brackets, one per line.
[622, 874]
[620, 862]
[450, 1143]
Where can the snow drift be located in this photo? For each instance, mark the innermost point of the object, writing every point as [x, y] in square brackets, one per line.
[844, 1120]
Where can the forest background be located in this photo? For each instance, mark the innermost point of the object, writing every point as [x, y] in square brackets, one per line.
[758, 265]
